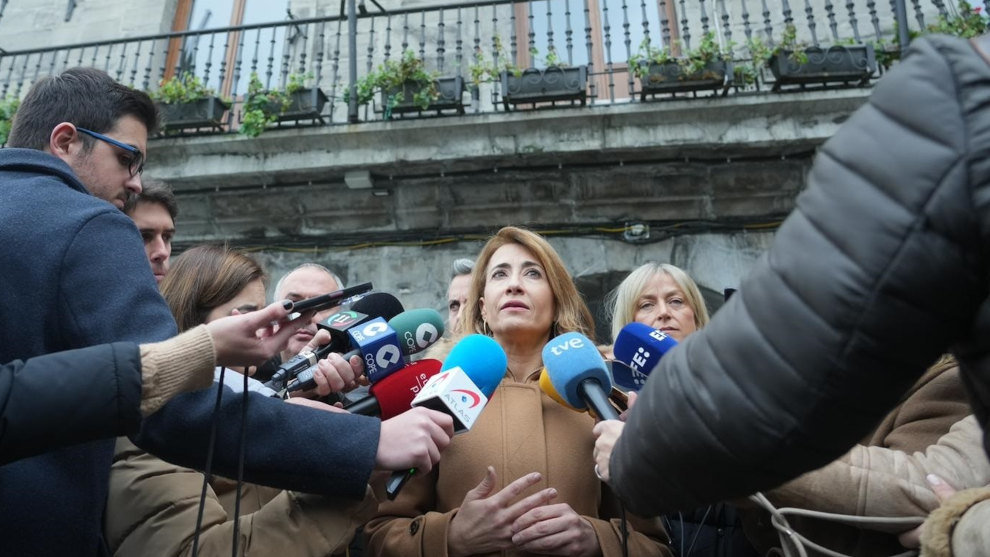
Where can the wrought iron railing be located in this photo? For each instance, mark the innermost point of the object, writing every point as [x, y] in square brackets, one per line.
[332, 52]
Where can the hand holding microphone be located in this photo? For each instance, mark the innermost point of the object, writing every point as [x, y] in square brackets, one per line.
[332, 374]
[383, 346]
[470, 375]
[371, 306]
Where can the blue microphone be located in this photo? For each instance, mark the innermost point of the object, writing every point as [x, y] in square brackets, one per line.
[640, 348]
[578, 374]
[467, 380]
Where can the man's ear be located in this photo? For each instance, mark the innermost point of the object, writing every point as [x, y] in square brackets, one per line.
[64, 140]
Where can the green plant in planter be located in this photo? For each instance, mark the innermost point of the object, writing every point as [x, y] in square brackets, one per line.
[393, 78]
[693, 62]
[183, 88]
[482, 69]
[262, 107]
[8, 106]
[761, 54]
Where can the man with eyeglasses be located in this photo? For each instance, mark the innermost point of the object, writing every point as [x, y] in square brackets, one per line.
[74, 274]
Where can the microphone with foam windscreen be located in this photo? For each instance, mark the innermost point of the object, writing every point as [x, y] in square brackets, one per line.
[415, 330]
[394, 394]
[368, 307]
[578, 374]
[640, 348]
[470, 375]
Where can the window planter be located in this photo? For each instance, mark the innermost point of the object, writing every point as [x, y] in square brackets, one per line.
[835, 64]
[551, 85]
[450, 89]
[195, 115]
[670, 78]
[304, 104]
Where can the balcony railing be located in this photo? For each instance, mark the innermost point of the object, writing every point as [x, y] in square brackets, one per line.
[601, 35]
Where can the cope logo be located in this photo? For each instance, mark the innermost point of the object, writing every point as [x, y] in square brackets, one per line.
[370, 331]
[467, 396]
[425, 335]
[387, 355]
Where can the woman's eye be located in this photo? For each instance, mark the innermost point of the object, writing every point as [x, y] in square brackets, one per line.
[643, 306]
[498, 274]
[534, 273]
[676, 302]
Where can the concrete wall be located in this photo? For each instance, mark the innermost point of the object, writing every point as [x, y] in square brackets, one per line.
[419, 276]
[41, 23]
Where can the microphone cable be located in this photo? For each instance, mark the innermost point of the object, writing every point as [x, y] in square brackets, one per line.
[240, 466]
[209, 463]
[624, 529]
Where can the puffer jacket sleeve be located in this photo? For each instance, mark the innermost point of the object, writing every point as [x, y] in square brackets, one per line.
[153, 506]
[876, 272]
[99, 386]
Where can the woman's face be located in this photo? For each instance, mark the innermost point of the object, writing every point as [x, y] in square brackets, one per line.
[250, 298]
[662, 305]
[517, 296]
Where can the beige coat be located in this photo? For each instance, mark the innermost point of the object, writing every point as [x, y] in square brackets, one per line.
[152, 508]
[520, 431]
[884, 476]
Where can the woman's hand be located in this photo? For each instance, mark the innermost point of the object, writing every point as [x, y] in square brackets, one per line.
[912, 538]
[606, 433]
[555, 530]
[484, 522]
[252, 338]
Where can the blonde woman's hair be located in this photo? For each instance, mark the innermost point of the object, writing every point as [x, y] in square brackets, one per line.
[572, 315]
[621, 302]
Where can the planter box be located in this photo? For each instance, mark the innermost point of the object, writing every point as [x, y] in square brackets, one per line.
[551, 85]
[670, 78]
[305, 104]
[835, 64]
[450, 89]
[204, 113]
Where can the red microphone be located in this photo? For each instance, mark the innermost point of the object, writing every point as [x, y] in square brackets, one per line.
[393, 395]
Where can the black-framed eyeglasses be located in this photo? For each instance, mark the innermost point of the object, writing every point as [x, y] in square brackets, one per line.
[135, 164]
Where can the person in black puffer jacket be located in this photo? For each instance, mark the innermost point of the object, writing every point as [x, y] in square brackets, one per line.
[882, 267]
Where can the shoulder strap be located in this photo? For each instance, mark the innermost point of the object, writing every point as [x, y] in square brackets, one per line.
[982, 45]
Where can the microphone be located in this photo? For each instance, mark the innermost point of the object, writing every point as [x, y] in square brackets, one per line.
[640, 348]
[370, 306]
[578, 374]
[416, 330]
[469, 377]
[394, 394]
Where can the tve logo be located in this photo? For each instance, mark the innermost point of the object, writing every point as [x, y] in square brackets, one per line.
[560, 348]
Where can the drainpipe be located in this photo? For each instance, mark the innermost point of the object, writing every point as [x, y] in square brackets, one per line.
[900, 15]
[352, 107]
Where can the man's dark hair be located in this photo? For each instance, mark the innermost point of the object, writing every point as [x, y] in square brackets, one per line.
[153, 191]
[86, 97]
